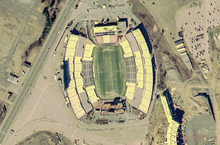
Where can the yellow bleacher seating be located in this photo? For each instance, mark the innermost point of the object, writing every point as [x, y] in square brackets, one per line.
[145, 54]
[136, 32]
[143, 108]
[71, 84]
[172, 132]
[91, 94]
[144, 46]
[147, 61]
[70, 52]
[145, 102]
[137, 54]
[71, 44]
[77, 107]
[147, 94]
[140, 83]
[140, 39]
[130, 91]
[128, 55]
[87, 54]
[149, 78]
[166, 108]
[87, 58]
[79, 82]
[140, 68]
[106, 38]
[70, 60]
[77, 75]
[89, 48]
[71, 68]
[130, 84]
[77, 60]
[149, 69]
[130, 96]
[138, 61]
[80, 114]
[93, 99]
[140, 76]
[71, 92]
[78, 67]
[126, 47]
[80, 89]
[74, 37]
[74, 100]
[148, 86]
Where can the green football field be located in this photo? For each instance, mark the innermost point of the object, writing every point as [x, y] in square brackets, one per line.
[109, 69]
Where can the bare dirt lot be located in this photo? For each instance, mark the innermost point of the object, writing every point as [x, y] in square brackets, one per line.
[45, 138]
[19, 30]
[32, 31]
[50, 9]
[9, 26]
[160, 44]
[21, 24]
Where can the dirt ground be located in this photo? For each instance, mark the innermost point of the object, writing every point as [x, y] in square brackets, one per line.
[9, 26]
[44, 138]
[33, 49]
[196, 132]
[160, 44]
[32, 31]
[158, 124]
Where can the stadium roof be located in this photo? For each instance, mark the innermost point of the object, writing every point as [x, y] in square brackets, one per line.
[102, 29]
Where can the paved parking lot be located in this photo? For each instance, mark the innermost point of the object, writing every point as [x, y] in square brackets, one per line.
[196, 22]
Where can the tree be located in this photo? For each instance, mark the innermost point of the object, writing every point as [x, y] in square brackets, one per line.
[45, 11]
[52, 3]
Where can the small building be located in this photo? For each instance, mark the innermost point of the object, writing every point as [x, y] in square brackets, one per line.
[27, 64]
[13, 79]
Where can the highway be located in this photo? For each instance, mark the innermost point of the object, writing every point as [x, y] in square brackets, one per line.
[32, 76]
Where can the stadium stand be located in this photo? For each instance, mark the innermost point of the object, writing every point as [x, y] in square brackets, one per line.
[146, 70]
[75, 73]
[132, 42]
[78, 110]
[173, 125]
[91, 94]
[126, 48]
[130, 91]
[88, 51]
[139, 65]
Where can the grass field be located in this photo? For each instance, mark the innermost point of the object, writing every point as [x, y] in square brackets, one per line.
[109, 69]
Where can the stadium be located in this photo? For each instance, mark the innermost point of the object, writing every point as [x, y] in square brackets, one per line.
[110, 72]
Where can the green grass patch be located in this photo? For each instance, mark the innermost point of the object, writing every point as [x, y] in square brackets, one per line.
[109, 69]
